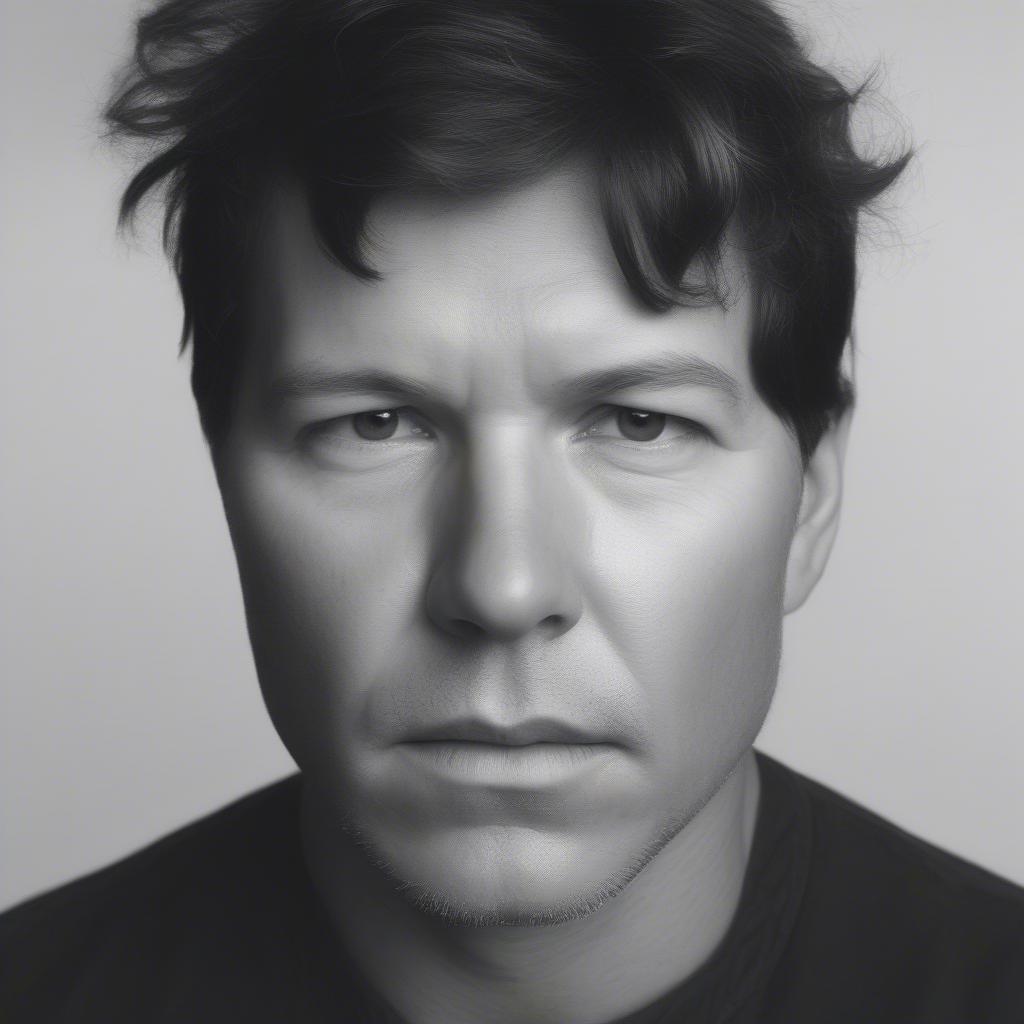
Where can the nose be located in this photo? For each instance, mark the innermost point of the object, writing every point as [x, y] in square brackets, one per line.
[503, 567]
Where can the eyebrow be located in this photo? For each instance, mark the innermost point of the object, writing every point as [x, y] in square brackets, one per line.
[670, 370]
[313, 381]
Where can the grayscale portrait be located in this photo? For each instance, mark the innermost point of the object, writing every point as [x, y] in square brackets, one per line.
[427, 429]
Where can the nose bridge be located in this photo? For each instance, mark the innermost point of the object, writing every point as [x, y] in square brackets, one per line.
[506, 563]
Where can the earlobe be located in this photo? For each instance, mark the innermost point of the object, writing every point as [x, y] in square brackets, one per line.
[818, 518]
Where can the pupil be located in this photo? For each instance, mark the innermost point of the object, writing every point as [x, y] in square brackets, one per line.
[638, 425]
[377, 425]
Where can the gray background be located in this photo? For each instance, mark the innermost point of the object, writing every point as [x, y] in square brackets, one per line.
[129, 703]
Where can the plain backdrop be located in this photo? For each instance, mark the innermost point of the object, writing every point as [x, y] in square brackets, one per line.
[129, 701]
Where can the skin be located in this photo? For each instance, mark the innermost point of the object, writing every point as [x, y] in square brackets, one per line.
[508, 553]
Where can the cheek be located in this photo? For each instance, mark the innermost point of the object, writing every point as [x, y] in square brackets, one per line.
[693, 576]
[330, 591]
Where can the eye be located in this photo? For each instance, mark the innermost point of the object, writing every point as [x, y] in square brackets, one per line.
[643, 425]
[372, 425]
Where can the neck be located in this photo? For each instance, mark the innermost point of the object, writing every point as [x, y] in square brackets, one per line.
[620, 958]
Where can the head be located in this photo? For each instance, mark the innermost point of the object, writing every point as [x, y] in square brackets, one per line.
[517, 334]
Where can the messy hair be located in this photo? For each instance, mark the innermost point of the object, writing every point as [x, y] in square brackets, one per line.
[694, 115]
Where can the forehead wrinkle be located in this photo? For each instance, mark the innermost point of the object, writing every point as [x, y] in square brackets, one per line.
[477, 325]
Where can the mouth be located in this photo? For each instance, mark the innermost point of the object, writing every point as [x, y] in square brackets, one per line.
[530, 732]
[533, 754]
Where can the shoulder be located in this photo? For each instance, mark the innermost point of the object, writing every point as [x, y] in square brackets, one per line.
[896, 922]
[173, 907]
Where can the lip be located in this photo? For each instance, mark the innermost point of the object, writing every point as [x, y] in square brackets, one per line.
[531, 731]
[534, 754]
[519, 766]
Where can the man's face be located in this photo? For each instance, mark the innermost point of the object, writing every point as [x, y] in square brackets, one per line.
[508, 548]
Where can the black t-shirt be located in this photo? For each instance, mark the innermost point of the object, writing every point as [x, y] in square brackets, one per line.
[843, 918]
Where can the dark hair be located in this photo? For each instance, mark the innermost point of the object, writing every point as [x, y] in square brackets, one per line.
[694, 114]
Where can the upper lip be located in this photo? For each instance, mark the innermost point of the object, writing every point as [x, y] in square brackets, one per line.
[519, 734]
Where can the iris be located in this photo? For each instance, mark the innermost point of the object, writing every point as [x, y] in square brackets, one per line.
[638, 425]
[377, 425]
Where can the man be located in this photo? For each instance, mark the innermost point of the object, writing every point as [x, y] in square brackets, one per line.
[517, 330]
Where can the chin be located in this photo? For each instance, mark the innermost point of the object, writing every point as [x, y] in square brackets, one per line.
[502, 876]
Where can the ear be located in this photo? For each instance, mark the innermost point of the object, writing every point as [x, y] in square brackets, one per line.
[818, 518]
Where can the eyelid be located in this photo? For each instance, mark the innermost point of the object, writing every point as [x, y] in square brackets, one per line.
[405, 412]
[608, 410]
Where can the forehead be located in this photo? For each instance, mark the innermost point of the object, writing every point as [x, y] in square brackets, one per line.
[517, 287]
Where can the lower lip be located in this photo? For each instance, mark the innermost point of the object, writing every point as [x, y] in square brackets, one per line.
[530, 765]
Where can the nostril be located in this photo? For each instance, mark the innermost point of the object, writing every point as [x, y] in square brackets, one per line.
[555, 624]
[466, 630]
